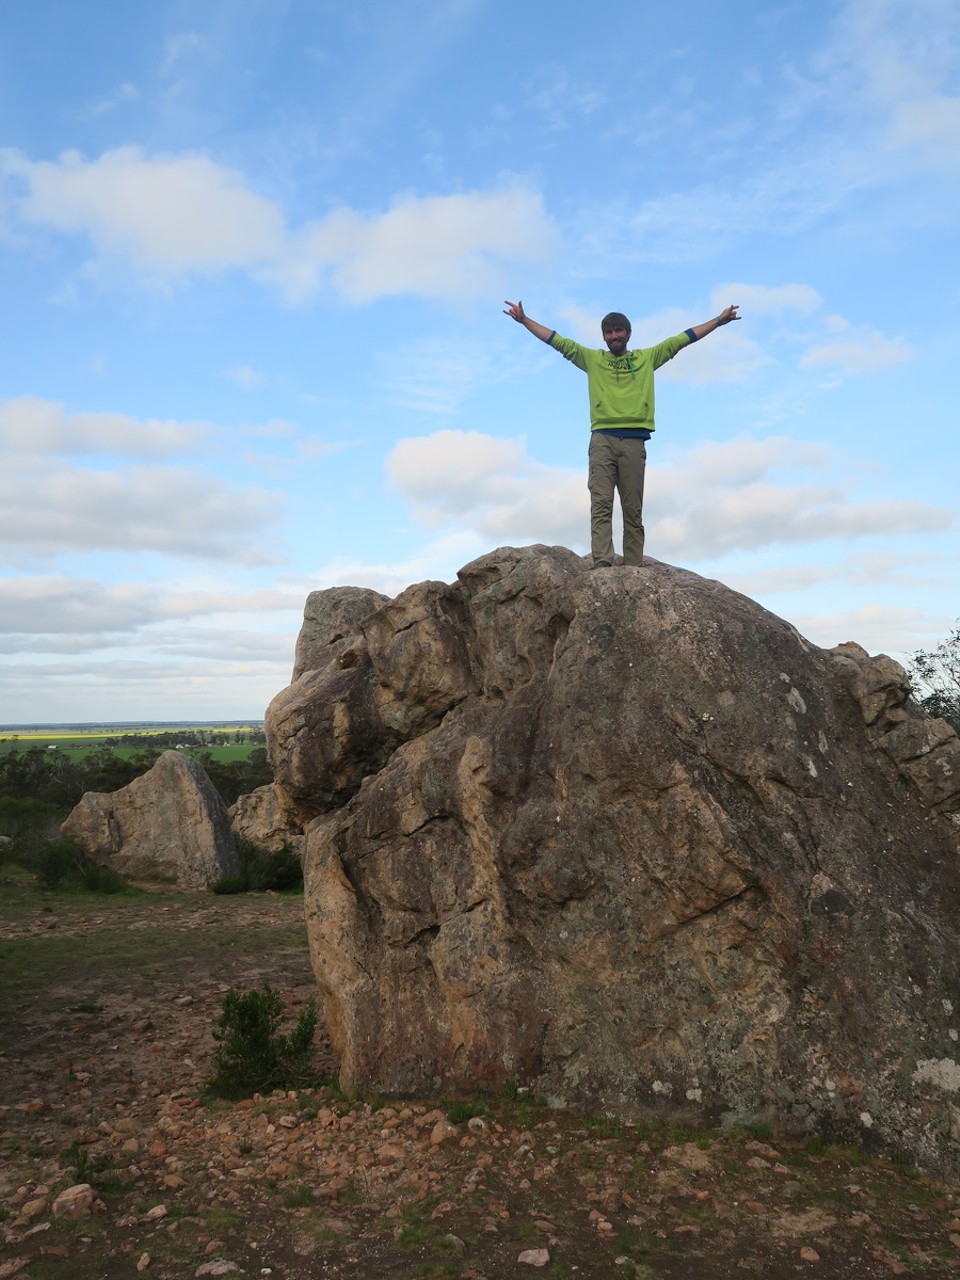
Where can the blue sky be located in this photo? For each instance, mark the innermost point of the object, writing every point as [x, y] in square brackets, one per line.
[254, 257]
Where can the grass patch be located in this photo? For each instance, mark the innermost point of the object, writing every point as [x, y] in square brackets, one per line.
[605, 1127]
[635, 1242]
[297, 1195]
[220, 1219]
[461, 1112]
[44, 966]
[414, 1235]
[350, 1191]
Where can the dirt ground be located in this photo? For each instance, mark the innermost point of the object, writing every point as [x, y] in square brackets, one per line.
[106, 1013]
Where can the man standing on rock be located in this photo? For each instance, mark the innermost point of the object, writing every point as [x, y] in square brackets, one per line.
[620, 385]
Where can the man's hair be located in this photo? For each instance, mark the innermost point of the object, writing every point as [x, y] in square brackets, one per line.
[615, 320]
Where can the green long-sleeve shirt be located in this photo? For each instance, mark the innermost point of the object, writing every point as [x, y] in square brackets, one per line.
[621, 387]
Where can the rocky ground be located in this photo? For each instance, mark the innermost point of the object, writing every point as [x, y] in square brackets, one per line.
[115, 1164]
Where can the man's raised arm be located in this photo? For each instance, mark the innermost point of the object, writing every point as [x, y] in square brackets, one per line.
[515, 311]
[701, 330]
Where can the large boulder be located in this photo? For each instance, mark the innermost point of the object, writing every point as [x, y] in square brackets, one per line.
[170, 824]
[627, 838]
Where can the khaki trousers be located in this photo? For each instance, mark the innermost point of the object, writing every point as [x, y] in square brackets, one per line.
[616, 465]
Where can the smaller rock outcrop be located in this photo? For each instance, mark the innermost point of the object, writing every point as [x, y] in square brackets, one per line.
[168, 824]
[261, 818]
[925, 750]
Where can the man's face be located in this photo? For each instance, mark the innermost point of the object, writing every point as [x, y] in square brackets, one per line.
[616, 337]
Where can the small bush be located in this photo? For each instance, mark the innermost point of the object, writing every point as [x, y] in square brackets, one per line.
[60, 866]
[262, 871]
[254, 1056]
[280, 870]
[297, 1195]
[231, 884]
[57, 863]
[97, 879]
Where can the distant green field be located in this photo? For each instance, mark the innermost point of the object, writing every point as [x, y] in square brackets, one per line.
[220, 741]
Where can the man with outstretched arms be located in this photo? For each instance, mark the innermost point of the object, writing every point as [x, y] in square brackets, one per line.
[620, 385]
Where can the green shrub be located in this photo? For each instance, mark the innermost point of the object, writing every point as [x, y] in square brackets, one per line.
[231, 884]
[97, 879]
[57, 863]
[60, 865]
[278, 870]
[262, 871]
[254, 1056]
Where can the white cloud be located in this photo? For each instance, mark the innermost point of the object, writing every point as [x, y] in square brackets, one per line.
[580, 324]
[490, 487]
[31, 425]
[174, 510]
[171, 217]
[767, 300]
[452, 471]
[743, 461]
[893, 62]
[876, 569]
[434, 246]
[876, 103]
[856, 349]
[781, 198]
[727, 355]
[120, 688]
[727, 497]
[61, 605]
[773, 581]
[878, 628]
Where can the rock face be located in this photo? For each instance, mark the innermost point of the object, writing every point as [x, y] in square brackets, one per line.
[168, 824]
[628, 839]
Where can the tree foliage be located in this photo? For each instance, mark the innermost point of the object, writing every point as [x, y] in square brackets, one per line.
[935, 674]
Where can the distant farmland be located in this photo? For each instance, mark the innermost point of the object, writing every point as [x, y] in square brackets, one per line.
[222, 740]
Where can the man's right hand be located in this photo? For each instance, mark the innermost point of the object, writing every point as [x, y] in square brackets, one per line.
[516, 312]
